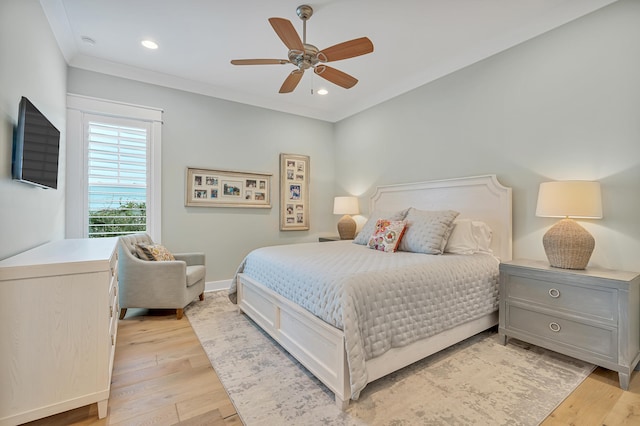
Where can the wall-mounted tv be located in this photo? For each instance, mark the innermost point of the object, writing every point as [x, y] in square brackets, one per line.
[36, 148]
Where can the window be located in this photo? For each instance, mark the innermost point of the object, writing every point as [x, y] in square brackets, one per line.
[113, 169]
[117, 178]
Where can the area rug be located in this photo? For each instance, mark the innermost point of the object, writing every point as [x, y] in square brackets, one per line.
[476, 382]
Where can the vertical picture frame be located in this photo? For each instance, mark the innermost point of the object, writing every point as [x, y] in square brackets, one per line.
[295, 173]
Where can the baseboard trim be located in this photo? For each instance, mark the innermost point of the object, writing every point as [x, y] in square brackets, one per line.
[217, 285]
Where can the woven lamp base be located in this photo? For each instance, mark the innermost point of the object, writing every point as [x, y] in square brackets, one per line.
[568, 245]
[347, 228]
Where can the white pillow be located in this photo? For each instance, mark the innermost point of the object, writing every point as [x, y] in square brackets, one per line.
[427, 230]
[367, 230]
[469, 237]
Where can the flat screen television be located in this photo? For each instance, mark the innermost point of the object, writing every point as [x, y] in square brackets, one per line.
[36, 148]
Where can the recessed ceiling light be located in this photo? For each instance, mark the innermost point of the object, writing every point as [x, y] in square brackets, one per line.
[150, 44]
[322, 91]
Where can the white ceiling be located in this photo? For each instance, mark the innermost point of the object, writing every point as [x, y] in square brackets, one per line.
[416, 41]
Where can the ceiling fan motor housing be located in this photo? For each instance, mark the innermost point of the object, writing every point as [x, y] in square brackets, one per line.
[305, 60]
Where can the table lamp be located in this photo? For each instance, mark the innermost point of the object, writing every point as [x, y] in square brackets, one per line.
[567, 244]
[346, 206]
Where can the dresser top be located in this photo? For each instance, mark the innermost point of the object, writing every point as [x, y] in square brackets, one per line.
[60, 257]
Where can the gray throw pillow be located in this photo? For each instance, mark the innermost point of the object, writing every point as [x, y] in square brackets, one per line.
[427, 230]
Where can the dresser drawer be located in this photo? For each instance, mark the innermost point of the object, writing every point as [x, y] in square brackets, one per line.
[113, 331]
[113, 264]
[598, 341]
[586, 302]
[113, 298]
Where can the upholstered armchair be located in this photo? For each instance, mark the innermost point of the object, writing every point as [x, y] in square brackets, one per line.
[157, 284]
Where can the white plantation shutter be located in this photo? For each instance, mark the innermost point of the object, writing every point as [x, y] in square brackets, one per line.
[117, 178]
[113, 181]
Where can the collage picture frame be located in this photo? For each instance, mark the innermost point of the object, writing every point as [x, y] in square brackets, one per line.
[226, 188]
[294, 192]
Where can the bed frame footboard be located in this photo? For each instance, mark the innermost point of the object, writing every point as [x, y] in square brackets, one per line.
[321, 348]
[314, 343]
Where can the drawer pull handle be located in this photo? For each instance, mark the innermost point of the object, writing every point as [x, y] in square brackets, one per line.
[555, 293]
[554, 326]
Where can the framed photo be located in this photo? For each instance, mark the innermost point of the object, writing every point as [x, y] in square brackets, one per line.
[294, 192]
[225, 188]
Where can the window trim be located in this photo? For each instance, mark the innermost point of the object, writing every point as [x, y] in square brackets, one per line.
[78, 107]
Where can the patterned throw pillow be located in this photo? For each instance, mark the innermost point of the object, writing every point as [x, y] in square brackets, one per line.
[367, 230]
[387, 235]
[153, 252]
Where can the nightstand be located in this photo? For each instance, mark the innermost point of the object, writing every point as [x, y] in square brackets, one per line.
[592, 314]
[324, 239]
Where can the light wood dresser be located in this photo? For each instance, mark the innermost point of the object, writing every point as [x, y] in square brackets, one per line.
[58, 326]
[592, 314]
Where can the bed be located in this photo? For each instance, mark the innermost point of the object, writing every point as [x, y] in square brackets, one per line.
[334, 305]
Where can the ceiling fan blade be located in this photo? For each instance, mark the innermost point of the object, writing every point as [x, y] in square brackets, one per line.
[335, 76]
[259, 61]
[347, 49]
[291, 81]
[286, 32]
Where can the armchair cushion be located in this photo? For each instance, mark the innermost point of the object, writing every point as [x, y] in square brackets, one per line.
[153, 252]
[195, 273]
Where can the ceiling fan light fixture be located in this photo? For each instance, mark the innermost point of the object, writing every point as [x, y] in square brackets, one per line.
[322, 92]
[149, 44]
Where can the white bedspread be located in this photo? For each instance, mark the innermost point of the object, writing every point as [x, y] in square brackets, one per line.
[380, 300]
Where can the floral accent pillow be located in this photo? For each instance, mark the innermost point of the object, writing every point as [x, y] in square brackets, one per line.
[153, 252]
[367, 230]
[387, 235]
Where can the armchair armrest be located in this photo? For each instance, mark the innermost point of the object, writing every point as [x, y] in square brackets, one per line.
[190, 258]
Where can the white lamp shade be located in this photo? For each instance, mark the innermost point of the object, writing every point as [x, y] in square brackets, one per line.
[575, 199]
[345, 205]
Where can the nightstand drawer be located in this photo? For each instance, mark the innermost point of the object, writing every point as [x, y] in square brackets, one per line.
[599, 341]
[586, 302]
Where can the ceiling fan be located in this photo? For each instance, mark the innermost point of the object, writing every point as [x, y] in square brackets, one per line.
[305, 56]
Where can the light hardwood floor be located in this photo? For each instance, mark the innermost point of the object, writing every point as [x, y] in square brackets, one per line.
[162, 376]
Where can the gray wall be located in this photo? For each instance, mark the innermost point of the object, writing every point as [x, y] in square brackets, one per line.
[562, 106]
[205, 132]
[31, 65]
[565, 105]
